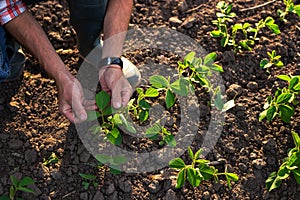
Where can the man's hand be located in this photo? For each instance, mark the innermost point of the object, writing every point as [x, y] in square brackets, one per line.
[71, 100]
[114, 83]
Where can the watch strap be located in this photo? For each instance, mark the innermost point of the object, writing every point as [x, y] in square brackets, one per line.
[110, 61]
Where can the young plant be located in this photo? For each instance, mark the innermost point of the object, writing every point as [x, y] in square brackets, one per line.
[157, 130]
[199, 170]
[289, 8]
[114, 162]
[290, 165]
[19, 185]
[140, 107]
[51, 160]
[273, 59]
[109, 124]
[179, 87]
[225, 15]
[268, 22]
[88, 179]
[283, 102]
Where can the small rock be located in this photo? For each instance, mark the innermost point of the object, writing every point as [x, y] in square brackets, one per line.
[98, 196]
[243, 167]
[84, 156]
[110, 189]
[154, 187]
[170, 195]
[56, 175]
[258, 163]
[252, 86]
[84, 196]
[30, 156]
[175, 20]
[183, 6]
[270, 145]
[15, 144]
[125, 186]
[234, 90]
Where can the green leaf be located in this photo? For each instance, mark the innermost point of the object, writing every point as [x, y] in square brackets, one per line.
[180, 87]
[143, 115]
[284, 77]
[216, 68]
[224, 40]
[114, 169]
[153, 130]
[237, 26]
[118, 160]
[279, 64]
[114, 137]
[159, 81]
[85, 185]
[189, 57]
[107, 111]
[198, 153]
[218, 102]
[274, 28]
[170, 140]
[14, 181]
[232, 176]
[210, 59]
[192, 177]
[12, 192]
[117, 119]
[88, 176]
[177, 163]
[284, 98]
[263, 115]
[297, 10]
[104, 159]
[263, 63]
[273, 181]
[297, 87]
[92, 115]
[170, 99]
[286, 112]
[191, 153]
[151, 92]
[216, 33]
[206, 171]
[144, 104]
[181, 178]
[24, 189]
[293, 82]
[296, 139]
[102, 100]
[297, 175]
[271, 112]
[26, 181]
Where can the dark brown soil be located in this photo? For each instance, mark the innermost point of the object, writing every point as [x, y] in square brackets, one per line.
[33, 128]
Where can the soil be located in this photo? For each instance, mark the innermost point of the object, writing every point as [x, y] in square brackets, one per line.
[32, 128]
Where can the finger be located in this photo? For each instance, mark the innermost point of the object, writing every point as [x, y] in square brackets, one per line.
[126, 94]
[116, 97]
[78, 109]
[67, 112]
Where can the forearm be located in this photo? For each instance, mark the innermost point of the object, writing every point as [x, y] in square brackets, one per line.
[115, 26]
[30, 35]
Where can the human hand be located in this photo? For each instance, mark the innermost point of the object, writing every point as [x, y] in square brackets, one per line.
[71, 99]
[113, 82]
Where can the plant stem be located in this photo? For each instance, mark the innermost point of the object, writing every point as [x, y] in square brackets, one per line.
[258, 6]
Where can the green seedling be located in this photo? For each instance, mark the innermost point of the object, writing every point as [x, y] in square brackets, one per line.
[19, 185]
[109, 124]
[273, 60]
[179, 87]
[140, 107]
[114, 162]
[51, 160]
[88, 179]
[289, 8]
[290, 165]
[282, 104]
[199, 170]
[268, 22]
[157, 130]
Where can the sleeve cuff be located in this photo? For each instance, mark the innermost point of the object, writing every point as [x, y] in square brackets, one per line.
[10, 11]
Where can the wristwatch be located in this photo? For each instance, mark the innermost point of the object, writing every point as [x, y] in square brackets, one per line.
[110, 61]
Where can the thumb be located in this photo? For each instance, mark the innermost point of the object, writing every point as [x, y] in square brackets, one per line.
[116, 98]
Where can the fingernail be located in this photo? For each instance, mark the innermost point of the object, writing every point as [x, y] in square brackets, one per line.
[117, 105]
